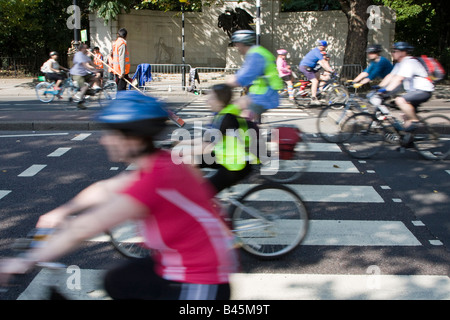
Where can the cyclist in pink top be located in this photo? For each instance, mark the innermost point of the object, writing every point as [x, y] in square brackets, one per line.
[285, 72]
[194, 254]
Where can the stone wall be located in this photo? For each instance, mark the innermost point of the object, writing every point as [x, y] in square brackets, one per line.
[155, 37]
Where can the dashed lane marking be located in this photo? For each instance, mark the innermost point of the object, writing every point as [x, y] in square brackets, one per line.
[33, 170]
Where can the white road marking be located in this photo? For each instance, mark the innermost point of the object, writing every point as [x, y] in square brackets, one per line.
[33, 135]
[319, 147]
[359, 233]
[319, 193]
[33, 170]
[280, 286]
[81, 136]
[4, 193]
[58, 152]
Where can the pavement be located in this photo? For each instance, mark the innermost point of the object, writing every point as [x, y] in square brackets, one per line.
[41, 116]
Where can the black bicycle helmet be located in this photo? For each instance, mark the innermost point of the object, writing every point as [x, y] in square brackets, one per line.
[134, 114]
[374, 48]
[53, 53]
[403, 46]
[247, 37]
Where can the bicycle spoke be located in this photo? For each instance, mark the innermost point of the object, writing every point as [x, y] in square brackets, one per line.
[270, 222]
[127, 240]
[432, 138]
[362, 136]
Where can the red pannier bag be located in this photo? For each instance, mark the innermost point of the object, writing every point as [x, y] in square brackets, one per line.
[288, 139]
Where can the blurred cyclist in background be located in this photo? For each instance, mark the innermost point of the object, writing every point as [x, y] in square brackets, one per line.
[258, 72]
[379, 67]
[308, 66]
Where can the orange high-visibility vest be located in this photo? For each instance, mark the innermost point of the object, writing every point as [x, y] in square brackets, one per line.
[115, 59]
[98, 58]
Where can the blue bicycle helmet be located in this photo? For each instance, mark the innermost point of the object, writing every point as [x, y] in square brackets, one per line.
[322, 43]
[134, 114]
[403, 46]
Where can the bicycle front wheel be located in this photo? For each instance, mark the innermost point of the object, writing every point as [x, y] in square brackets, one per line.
[269, 220]
[432, 138]
[336, 94]
[110, 89]
[362, 135]
[44, 92]
[127, 240]
[330, 121]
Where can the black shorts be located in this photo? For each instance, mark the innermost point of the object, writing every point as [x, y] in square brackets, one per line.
[53, 76]
[416, 98]
[136, 280]
[225, 178]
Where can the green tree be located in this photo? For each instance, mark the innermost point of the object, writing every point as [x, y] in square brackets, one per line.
[33, 28]
[424, 24]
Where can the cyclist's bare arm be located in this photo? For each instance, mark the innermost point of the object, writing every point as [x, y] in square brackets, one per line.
[119, 209]
[386, 80]
[97, 193]
[394, 83]
[326, 66]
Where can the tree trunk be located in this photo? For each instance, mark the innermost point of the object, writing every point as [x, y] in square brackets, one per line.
[357, 16]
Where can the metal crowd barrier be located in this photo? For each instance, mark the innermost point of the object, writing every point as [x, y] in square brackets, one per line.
[167, 77]
[211, 76]
[349, 71]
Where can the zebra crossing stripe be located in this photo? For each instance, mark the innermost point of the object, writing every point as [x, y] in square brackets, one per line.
[318, 193]
[339, 287]
[359, 233]
[326, 233]
[265, 286]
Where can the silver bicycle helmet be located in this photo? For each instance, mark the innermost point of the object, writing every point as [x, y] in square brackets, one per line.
[247, 37]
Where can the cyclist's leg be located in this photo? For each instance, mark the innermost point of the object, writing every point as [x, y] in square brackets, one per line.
[224, 178]
[313, 77]
[408, 104]
[136, 279]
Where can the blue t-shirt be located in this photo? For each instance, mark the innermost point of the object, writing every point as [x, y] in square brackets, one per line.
[253, 68]
[379, 69]
[311, 58]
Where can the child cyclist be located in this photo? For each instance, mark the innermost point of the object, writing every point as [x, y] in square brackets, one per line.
[194, 254]
[230, 152]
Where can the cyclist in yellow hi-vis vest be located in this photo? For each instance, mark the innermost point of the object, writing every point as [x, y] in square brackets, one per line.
[259, 73]
[232, 150]
[121, 59]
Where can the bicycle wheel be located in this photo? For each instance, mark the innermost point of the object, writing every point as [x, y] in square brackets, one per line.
[44, 92]
[110, 89]
[362, 135]
[330, 121]
[270, 220]
[284, 169]
[336, 94]
[432, 138]
[128, 241]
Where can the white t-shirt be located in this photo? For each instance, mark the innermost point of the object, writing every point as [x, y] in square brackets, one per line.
[51, 63]
[414, 73]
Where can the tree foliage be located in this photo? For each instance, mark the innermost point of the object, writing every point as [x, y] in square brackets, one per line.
[424, 24]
